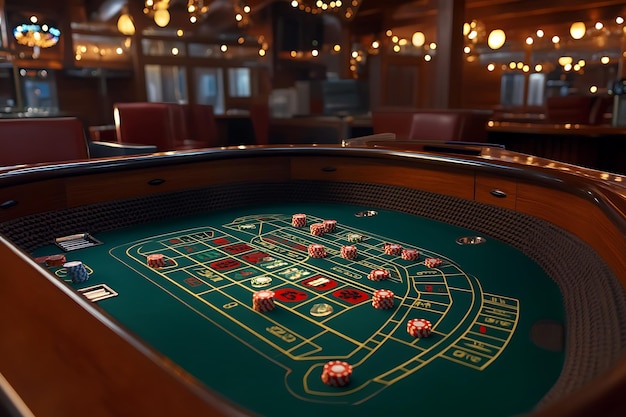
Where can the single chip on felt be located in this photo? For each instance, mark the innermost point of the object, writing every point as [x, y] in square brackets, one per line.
[156, 260]
[337, 373]
[321, 310]
[55, 260]
[259, 282]
[354, 237]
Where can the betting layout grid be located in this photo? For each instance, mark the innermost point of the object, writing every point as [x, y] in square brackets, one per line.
[218, 265]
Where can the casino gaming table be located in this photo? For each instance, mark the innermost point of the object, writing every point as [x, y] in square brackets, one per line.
[513, 302]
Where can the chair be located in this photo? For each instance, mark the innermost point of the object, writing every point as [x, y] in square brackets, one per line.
[168, 126]
[260, 117]
[144, 124]
[41, 140]
[393, 120]
[201, 125]
[585, 110]
[450, 125]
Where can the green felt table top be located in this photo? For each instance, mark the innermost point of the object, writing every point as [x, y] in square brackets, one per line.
[483, 302]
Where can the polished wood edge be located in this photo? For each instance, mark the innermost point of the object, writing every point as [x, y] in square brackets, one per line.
[130, 350]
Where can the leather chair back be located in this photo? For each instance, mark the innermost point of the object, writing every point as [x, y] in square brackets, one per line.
[144, 123]
[42, 140]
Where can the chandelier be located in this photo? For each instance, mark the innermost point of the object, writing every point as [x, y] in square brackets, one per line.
[34, 35]
[344, 8]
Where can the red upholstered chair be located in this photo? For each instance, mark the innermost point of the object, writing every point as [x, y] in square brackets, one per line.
[145, 124]
[393, 120]
[568, 109]
[588, 110]
[201, 126]
[260, 117]
[41, 140]
[436, 126]
[450, 125]
[168, 126]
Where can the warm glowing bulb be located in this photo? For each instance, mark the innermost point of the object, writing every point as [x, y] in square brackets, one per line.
[418, 39]
[529, 40]
[496, 39]
[491, 67]
[577, 30]
[564, 60]
[125, 25]
[162, 17]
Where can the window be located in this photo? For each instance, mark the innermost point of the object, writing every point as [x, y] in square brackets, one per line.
[166, 83]
[239, 82]
[210, 88]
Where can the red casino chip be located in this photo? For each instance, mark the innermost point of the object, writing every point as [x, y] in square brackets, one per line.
[263, 301]
[329, 226]
[317, 251]
[432, 262]
[409, 254]
[383, 299]
[337, 373]
[317, 229]
[392, 249]
[298, 220]
[378, 275]
[55, 260]
[156, 260]
[349, 252]
[419, 328]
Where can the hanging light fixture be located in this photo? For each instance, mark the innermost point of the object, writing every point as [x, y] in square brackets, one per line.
[161, 14]
[125, 24]
[345, 8]
[158, 10]
[36, 35]
[577, 30]
[496, 39]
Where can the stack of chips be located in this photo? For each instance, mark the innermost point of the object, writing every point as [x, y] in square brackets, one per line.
[318, 229]
[317, 251]
[263, 301]
[382, 299]
[329, 225]
[409, 254]
[76, 271]
[298, 220]
[378, 275]
[156, 260]
[336, 373]
[392, 249]
[432, 262]
[419, 328]
[348, 252]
